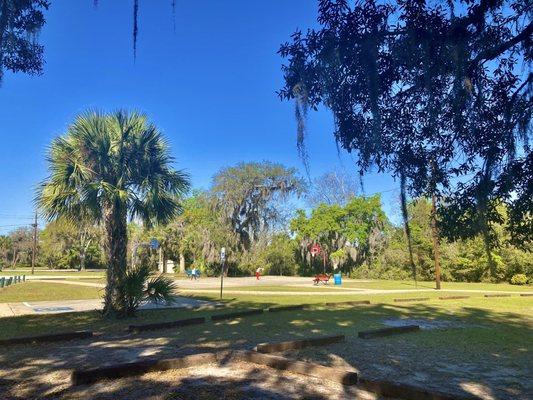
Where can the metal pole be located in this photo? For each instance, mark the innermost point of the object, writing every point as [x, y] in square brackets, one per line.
[34, 245]
[221, 277]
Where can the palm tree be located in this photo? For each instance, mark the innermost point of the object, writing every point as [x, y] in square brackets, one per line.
[108, 168]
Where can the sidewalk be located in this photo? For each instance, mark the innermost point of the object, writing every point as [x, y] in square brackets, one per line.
[56, 307]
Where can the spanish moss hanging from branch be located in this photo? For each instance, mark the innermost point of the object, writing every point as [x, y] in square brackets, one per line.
[301, 107]
[135, 27]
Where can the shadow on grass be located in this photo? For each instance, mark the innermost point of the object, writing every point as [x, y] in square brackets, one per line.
[483, 352]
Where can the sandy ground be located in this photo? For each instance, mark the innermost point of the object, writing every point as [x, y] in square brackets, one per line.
[43, 371]
[235, 381]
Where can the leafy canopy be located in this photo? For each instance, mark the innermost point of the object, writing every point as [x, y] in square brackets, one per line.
[108, 159]
[430, 92]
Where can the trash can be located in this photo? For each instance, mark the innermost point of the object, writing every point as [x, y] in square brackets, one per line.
[338, 279]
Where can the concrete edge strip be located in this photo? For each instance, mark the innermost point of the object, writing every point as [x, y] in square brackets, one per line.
[236, 314]
[412, 299]
[298, 344]
[165, 325]
[54, 337]
[387, 331]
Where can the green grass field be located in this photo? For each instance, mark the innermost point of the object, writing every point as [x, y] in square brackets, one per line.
[490, 338]
[42, 291]
[58, 272]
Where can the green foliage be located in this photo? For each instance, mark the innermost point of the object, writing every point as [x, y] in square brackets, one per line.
[20, 23]
[428, 92]
[276, 255]
[63, 244]
[518, 279]
[357, 225]
[249, 196]
[140, 284]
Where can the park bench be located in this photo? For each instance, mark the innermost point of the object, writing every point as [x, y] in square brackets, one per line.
[192, 275]
[324, 278]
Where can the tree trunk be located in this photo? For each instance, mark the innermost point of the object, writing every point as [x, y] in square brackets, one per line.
[435, 233]
[182, 263]
[165, 268]
[82, 261]
[407, 229]
[116, 240]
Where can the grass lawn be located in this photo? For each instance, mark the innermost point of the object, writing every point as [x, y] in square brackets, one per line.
[58, 272]
[488, 342]
[42, 291]
[384, 284]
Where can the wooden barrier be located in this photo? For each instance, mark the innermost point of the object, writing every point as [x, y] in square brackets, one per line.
[166, 325]
[286, 308]
[298, 344]
[387, 331]
[344, 377]
[405, 391]
[498, 295]
[86, 376]
[526, 294]
[54, 337]
[236, 314]
[412, 299]
[348, 303]
[453, 297]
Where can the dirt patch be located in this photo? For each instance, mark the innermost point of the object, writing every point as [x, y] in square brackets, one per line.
[237, 381]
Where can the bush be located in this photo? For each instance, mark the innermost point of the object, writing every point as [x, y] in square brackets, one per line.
[519, 279]
[140, 285]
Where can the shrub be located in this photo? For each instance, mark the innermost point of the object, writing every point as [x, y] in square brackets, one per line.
[519, 279]
[140, 285]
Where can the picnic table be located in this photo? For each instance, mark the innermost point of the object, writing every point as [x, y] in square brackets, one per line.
[192, 275]
[321, 278]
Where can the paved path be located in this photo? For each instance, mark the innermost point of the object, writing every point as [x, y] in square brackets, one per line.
[55, 307]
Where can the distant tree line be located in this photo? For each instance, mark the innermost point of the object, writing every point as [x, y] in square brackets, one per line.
[250, 209]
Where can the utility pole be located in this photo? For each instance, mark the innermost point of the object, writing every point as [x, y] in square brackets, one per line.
[436, 250]
[34, 252]
[222, 268]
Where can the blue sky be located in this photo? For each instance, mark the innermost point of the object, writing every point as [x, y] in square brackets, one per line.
[209, 85]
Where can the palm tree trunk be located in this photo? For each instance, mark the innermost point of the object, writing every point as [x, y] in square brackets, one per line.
[115, 224]
[182, 263]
